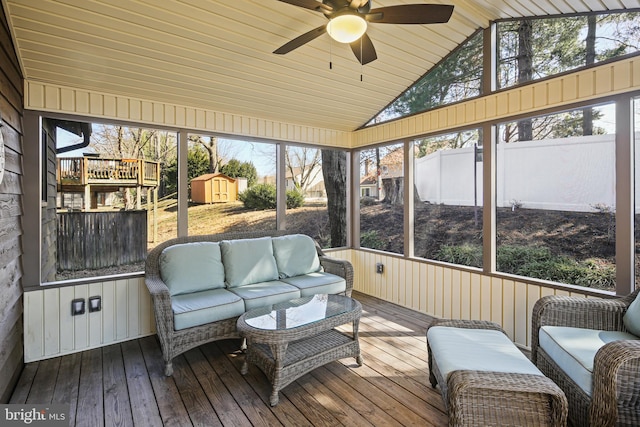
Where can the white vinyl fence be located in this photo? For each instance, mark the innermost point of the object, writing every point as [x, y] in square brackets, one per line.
[568, 174]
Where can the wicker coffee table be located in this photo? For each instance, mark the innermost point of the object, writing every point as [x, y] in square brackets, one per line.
[292, 338]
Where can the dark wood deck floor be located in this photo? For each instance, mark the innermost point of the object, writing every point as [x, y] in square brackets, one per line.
[124, 385]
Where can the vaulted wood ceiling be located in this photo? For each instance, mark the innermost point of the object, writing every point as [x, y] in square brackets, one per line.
[216, 54]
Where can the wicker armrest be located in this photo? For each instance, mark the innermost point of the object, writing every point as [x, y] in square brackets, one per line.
[341, 268]
[616, 374]
[467, 324]
[161, 303]
[589, 313]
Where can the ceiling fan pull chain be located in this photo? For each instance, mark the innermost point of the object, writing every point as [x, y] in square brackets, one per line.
[330, 54]
[361, 59]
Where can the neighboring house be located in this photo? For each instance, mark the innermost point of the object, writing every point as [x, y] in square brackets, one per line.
[313, 187]
[391, 168]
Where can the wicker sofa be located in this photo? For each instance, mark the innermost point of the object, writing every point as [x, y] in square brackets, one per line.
[590, 347]
[200, 285]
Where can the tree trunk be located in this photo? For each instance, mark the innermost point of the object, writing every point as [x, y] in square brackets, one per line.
[393, 191]
[587, 113]
[525, 71]
[334, 171]
[212, 151]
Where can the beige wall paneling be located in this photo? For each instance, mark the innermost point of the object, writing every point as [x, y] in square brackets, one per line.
[443, 291]
[607, 79]
[60, 99]
[51, 331]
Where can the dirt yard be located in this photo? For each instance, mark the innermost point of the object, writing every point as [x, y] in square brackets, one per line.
[573, 234]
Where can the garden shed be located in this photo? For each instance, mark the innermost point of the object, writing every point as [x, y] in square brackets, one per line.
[213, 188]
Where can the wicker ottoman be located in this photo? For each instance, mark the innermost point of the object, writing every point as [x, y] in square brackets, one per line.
[486, 381]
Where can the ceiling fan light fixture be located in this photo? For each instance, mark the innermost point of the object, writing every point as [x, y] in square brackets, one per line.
[346, 28]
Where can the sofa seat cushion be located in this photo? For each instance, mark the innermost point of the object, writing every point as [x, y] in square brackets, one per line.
[295, 254]
[476, 350]
[574, 349]
[317, 283]
[192, 267]
[248, 261]
[199, 308]
[263, 294]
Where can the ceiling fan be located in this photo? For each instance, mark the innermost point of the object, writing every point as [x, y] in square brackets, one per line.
[348, 22]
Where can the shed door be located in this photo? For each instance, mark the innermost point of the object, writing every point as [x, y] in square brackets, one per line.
[220, 190]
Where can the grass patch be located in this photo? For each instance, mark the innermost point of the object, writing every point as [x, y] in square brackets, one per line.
[537, 262]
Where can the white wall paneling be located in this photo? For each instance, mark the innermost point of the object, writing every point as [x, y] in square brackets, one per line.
[50, 330]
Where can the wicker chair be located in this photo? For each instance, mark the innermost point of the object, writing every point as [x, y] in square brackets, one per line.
[174, 342]
[615, 397]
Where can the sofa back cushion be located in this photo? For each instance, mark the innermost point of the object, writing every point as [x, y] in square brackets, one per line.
[248, 261]
[631, 318]
[295, 255]
[192, 267]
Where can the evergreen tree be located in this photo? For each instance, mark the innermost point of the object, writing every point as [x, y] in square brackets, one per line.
[236, 169]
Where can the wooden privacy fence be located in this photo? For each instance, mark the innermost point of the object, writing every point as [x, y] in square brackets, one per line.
[90, 240]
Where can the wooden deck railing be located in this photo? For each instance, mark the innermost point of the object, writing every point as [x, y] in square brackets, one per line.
[89, 170]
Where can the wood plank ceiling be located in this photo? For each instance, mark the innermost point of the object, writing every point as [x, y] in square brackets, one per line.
[216, 54]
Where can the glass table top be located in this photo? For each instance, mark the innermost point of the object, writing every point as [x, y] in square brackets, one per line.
[299, 312]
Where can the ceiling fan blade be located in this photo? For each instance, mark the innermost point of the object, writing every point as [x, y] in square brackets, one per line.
[309, 4]
[411, 14]
[363, 50]
[357, 4]
[300, 40]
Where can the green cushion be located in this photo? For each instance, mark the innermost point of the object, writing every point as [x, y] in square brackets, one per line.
[295, 255]
[631, 318]
[264, 294]
[574, 349]
[317, 283]
[200, 308]
[492, 351]
[248, 261]
[192, 267]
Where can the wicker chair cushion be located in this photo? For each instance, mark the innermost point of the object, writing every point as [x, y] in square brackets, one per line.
[199, 308]
[574, 349]
[491, 351]
[248, 261]
[265, 293]
[631, 318]
[295, 255]
[317, 283]
[192, 267]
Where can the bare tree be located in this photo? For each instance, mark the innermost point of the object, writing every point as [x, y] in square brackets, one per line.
[303, 165]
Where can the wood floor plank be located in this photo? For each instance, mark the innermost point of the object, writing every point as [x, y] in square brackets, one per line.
[144, 407]
[117, 407]
[124, 384]
[46, 380]
[23, 388]
[90, 397]
[311, 405]
[200, 410]
[326, 395]
[348, 388]
[286, 412]
[68, 384]
[255, 408]
[170, 405]
[226, 407]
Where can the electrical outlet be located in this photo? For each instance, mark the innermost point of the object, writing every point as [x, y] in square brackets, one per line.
[379, 268]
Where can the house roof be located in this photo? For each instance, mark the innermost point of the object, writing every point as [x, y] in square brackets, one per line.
[217, 54]
[208, 176]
